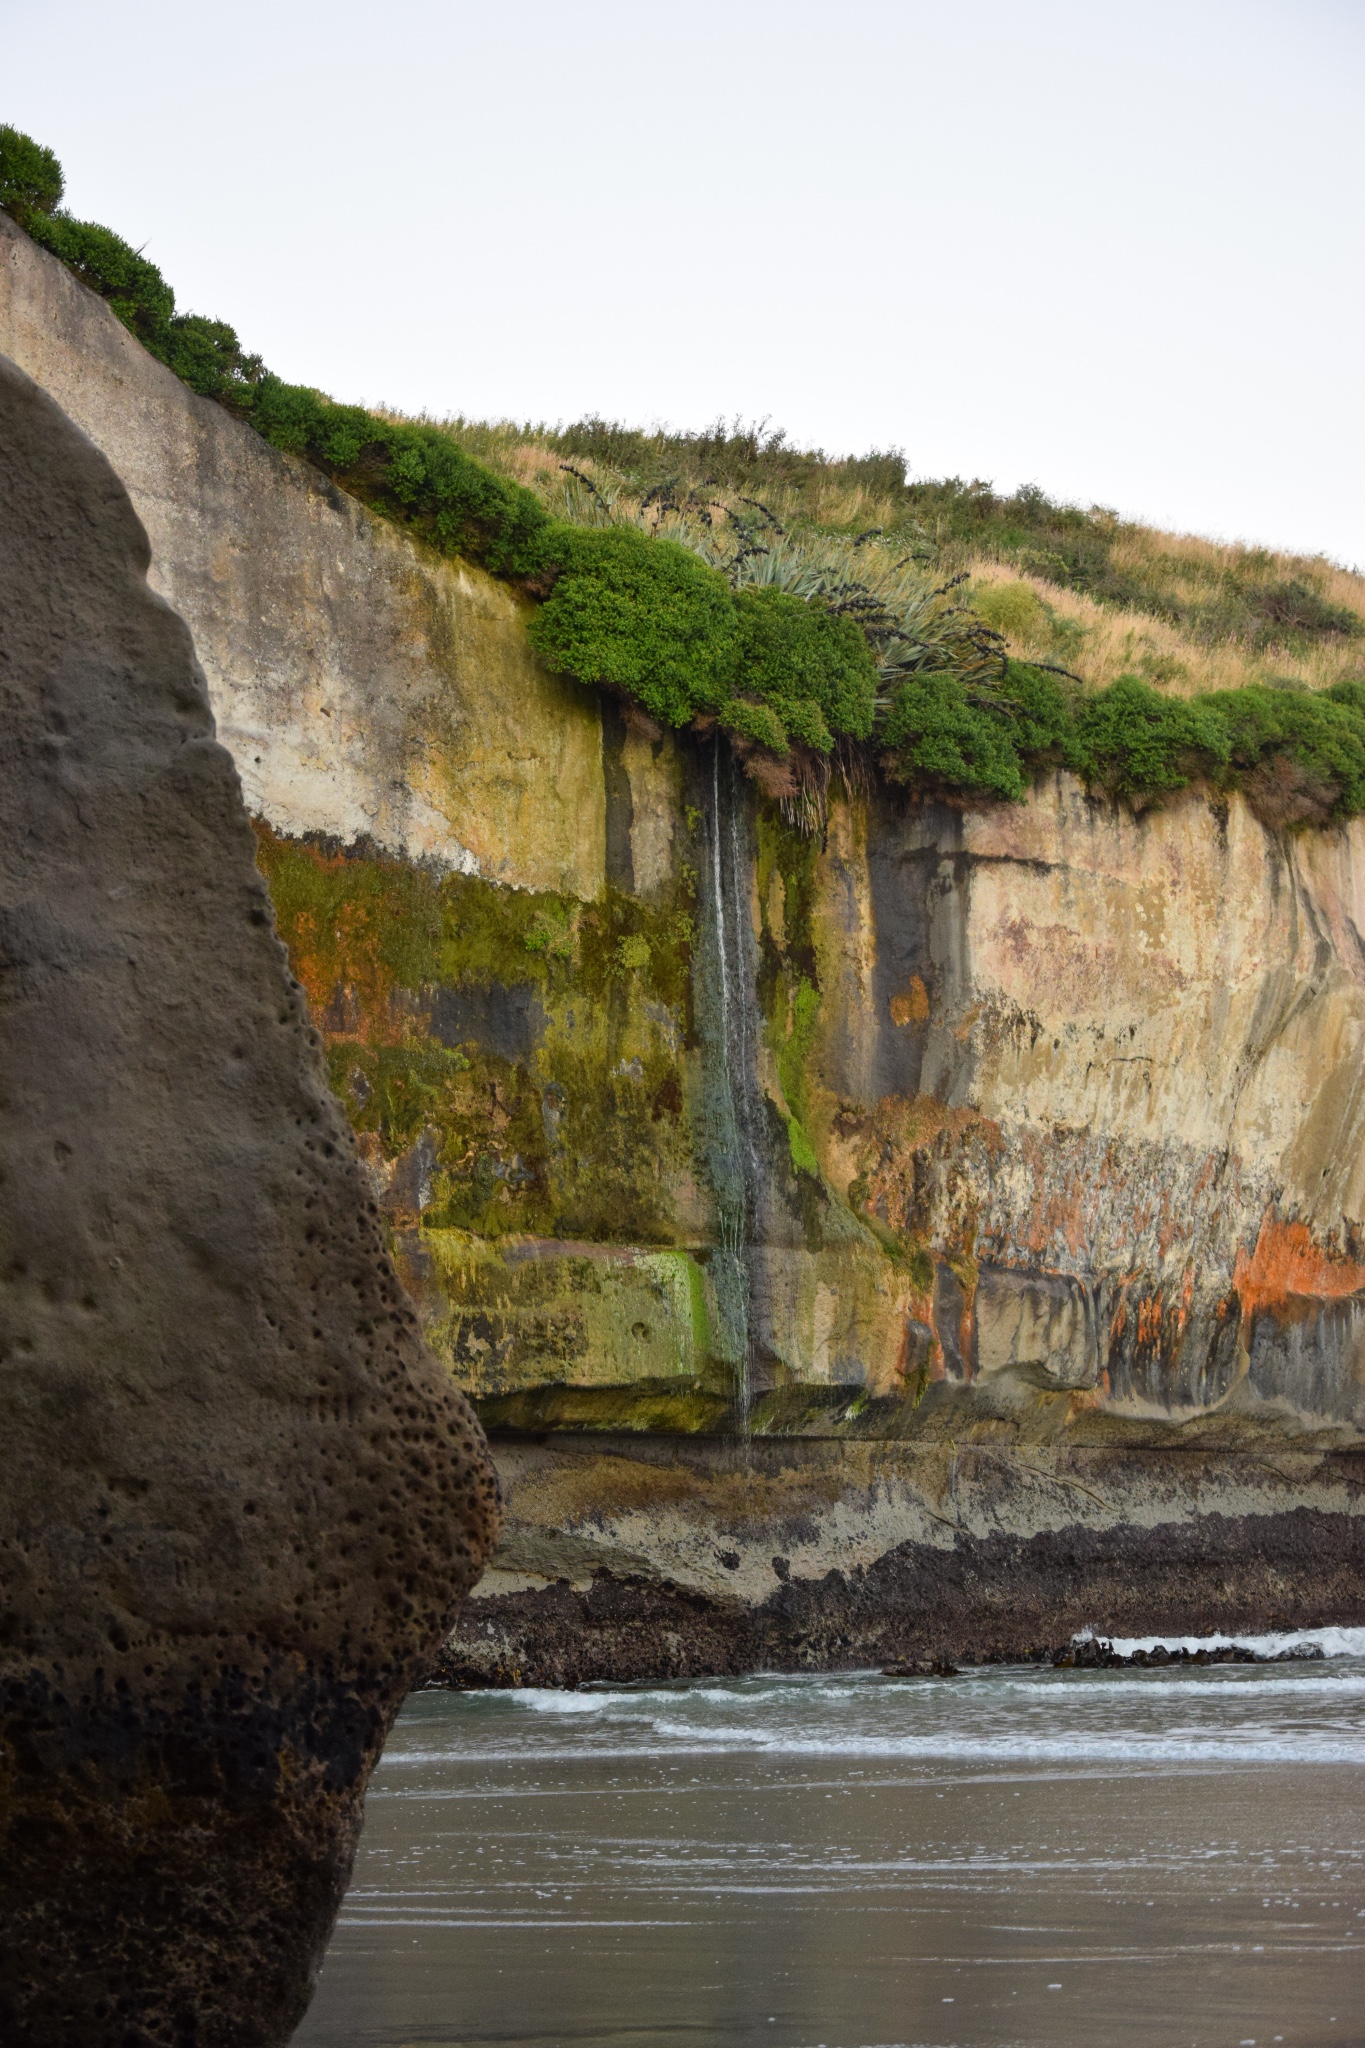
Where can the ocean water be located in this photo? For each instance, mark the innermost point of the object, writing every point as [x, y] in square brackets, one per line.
[1014, 1858]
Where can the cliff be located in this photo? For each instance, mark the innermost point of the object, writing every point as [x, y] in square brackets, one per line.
[1005, 1134]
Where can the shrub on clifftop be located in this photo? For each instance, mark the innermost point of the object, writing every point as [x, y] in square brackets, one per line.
[1130, 738]
[409, 470]
[812, 669]
[31, 181]
[643, 616]
[985, 738]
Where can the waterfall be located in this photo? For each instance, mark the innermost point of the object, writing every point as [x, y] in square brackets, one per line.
[729, 1016]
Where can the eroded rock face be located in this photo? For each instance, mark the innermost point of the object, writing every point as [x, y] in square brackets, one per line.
[241, 1502]
[367, 689]
[1115, 1061]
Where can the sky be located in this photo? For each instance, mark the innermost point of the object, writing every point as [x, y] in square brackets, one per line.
[1111, 247]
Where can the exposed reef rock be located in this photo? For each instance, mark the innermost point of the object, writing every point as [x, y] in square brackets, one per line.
[628, 1559]
[1031, 1130]
[241, 1500]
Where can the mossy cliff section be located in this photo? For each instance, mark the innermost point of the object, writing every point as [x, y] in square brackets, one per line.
[241, 1502]
[1023, 1121]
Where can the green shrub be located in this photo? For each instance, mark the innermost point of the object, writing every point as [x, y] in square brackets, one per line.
[206, 355]
[813, 669]
[1042, 723]
[753, 721]
[1014, 609]
[135, 288]
[31, 180]
[644, 616]
[1349, 691]
[648, 617]
[463, 507]
[1130, 739]
[1323, 735]
[935, 734]
[413, 472]
[984, 739]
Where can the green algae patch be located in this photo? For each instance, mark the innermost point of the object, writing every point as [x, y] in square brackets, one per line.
[517, 1068]
[786, 873]
[510, 1315]
[642, 1409]
[534, 1047]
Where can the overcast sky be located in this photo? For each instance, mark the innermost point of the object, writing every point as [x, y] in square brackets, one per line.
[1113, 247]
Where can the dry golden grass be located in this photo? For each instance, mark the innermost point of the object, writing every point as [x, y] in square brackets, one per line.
[1103, 641]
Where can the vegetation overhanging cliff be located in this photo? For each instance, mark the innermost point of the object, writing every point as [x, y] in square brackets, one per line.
[663, 580]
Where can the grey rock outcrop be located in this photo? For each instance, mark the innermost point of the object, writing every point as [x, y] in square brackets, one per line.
[240, 1502]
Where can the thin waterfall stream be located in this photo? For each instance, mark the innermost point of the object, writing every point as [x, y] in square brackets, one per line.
[736, 1108]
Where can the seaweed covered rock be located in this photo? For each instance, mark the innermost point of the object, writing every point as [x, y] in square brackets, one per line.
[241, 1502]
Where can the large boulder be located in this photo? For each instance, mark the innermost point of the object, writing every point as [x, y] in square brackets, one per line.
[240, 1501]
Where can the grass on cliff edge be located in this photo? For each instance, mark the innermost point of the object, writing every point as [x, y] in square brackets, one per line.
[816, 614]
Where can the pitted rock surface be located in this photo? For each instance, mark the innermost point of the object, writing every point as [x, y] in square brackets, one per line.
[241, 1502]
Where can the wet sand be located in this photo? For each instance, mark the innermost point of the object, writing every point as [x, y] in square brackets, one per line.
[1015, 1856]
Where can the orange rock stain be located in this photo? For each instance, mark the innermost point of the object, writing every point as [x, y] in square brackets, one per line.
[1286, 1261]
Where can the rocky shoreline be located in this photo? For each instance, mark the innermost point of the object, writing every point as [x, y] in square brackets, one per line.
[984, 1599]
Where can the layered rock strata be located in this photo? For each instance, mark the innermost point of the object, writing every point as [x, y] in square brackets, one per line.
[650, 1558]
[241, 1501]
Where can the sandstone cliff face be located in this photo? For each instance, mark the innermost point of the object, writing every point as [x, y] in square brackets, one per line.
[366, 692]
[241, 1502]
[1109, 1068]
[1031, 1126]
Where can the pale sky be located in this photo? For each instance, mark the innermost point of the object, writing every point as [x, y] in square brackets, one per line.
[1113, 249]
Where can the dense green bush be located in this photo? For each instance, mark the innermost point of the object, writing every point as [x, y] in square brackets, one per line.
[206, 355]
[747, 719]
[813, 670]
[644, 616]
[1131, 738]
[984, 740]
[649, 617]
[31, 180]
[1323, 735]
[937, 735]
[135, 288]
[411, 471]
[1132, 741]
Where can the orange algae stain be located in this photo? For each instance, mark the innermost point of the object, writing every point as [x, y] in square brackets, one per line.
[962, 1030]
[1055, 1213]
[1149, 1320]
[337, 916]
[1286, 1261]
[911, 1006]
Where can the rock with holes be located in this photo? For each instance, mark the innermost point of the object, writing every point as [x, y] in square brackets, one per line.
[240, 1502]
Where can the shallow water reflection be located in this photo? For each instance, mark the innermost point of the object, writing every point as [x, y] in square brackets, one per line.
[1015, 1856]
